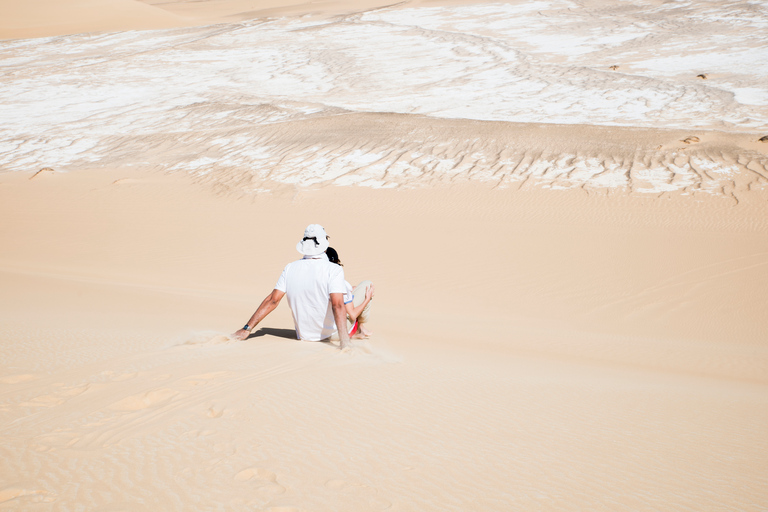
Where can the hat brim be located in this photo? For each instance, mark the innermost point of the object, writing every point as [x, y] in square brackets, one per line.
[309, 248]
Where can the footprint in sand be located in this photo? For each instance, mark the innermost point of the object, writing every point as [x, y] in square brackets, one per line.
[763, 139]
[154, 398]
[614, 67]
[265, 479]
[336, 485]
[691, 140]
[703, 76]
[214, 412]
[257, 473]
[57, 397]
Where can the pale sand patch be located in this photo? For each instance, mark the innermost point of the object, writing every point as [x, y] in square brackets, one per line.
[534, 349]
[234, 10]
[43, 18]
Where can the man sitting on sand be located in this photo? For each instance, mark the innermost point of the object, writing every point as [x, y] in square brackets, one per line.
[315, 289]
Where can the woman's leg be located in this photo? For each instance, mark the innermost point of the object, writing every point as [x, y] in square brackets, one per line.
[364, 316]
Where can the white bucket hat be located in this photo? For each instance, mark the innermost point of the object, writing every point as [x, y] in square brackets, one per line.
[315, 241]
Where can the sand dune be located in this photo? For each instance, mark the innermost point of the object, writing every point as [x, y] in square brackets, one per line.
[388, 151]
[568, 236]
[528, 343]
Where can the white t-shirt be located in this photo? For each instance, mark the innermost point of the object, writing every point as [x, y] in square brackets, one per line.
[308, 284]
[349, 294]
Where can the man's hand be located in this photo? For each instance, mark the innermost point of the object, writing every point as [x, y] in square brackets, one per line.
[268, 305]
[241, 334]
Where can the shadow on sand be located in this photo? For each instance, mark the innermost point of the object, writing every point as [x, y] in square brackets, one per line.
[271, 331]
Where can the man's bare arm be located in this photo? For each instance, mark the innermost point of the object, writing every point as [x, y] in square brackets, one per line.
[267, 306]
[340, 315]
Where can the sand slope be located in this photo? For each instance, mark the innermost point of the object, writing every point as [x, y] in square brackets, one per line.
[541, 349]
[43, 18]
[235, 10]
[568, 236]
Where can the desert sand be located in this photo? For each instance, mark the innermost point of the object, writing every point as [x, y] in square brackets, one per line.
[571, 261]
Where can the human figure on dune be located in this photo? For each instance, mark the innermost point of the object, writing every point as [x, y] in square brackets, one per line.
[357, 301]
[315, 288]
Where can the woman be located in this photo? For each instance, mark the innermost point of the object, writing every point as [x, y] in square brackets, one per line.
[357, 300]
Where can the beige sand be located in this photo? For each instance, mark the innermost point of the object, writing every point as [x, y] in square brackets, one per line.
[41, 18]
[545, 338]
[45, 18]
[236, 10]
[533, 349]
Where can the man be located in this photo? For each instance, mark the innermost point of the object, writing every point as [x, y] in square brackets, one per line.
[315, 289]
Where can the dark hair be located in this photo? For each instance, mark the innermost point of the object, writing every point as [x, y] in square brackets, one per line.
[333, 256]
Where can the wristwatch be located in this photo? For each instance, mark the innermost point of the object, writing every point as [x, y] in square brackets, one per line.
[246, 328]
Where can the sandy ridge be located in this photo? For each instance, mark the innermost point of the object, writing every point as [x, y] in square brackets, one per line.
[391, 150]
[414, 151]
